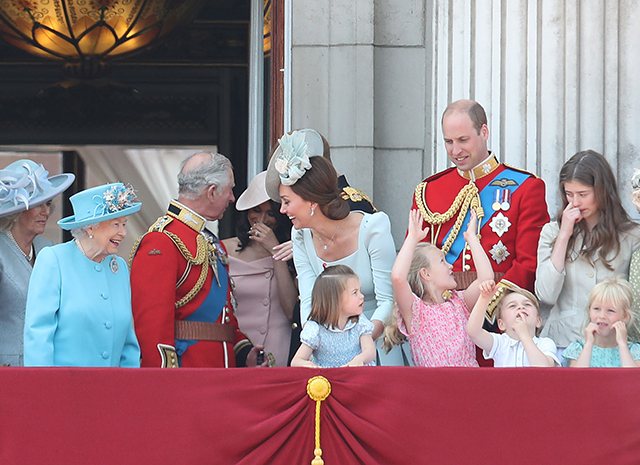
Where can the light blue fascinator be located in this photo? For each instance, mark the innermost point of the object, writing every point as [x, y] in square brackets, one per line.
[290, 160]
[25, 184]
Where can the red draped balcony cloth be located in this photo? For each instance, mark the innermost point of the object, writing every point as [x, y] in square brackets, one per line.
[374, 415]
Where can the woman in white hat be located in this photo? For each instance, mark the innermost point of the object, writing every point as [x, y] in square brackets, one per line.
[260, 265]
[79, 302]
[26, 192]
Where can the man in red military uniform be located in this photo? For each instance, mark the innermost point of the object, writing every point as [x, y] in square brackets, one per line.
[182, 300]
[510, 202]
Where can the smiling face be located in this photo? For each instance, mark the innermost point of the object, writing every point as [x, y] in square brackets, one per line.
[584, 198]
[465, 147]
[32, 222]
[295, 207]
[262, 214]
[604, 315]
[352, 302]
[515, 306]
[439, 275]
[108, 235]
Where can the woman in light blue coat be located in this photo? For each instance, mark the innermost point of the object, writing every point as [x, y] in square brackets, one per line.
[79, 301]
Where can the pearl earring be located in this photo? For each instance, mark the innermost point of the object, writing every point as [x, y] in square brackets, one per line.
[313, 210]
[90, 236]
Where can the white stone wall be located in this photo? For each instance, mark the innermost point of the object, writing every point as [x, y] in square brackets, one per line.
[554, 76]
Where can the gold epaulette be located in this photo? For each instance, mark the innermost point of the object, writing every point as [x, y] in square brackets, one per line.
[158, 226]
[520, 170]
[467, 198]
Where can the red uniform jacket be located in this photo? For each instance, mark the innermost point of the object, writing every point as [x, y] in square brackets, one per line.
[157, 267]
[527, 214]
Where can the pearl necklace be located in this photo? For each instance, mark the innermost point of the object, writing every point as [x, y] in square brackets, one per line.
[28, 256]
[324, 246]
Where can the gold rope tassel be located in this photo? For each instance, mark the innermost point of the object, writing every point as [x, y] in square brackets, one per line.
[318, 388]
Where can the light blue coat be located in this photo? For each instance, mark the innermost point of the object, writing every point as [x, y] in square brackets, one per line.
[79, 312]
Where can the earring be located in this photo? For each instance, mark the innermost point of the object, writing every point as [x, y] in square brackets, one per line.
[90, 236]
[313, 211]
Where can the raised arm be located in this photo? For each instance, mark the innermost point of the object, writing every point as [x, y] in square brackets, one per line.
[480, 258]
[401, 289]
[481, 337]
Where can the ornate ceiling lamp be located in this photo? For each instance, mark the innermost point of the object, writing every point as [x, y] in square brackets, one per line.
[88, 34]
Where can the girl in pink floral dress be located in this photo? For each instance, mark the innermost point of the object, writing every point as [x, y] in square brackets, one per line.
[429, 311]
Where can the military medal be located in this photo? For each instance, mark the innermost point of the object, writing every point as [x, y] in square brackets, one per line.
[500, 224]
[506, 200]
[114, 264]
[499, 252]
[496, 200]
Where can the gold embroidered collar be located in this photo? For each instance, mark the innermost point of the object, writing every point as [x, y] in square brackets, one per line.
[186, 215]
[483, 169]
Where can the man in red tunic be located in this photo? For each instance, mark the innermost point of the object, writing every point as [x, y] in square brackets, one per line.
[510, 202]
[183, 303]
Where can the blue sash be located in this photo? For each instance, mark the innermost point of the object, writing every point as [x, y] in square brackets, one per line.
[210, 309]
[486, 200]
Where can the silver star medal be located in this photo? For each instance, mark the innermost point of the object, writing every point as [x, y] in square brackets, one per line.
[114, 264]
[499, 252]
[500, 224]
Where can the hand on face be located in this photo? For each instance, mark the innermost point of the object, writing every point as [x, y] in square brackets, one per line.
[621, 332]
[415, 229]
[590, 332]
[520, 325]
[263, 235]
[570, 216]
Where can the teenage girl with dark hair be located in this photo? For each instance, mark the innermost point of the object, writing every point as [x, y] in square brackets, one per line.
[592, 239]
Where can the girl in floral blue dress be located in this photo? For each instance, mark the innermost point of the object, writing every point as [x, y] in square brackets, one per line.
[337, 333]
[610, 316]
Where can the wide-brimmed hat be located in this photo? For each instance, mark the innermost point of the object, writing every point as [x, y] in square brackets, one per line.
[25, 184]
[100, 203]
[254, 195]
[290, 159]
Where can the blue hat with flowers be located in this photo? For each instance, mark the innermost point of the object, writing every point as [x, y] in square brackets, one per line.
[290, 160]
[25, 184]
[101, 203]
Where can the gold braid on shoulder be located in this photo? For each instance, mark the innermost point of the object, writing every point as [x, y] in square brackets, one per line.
[205, 252]
[467, 198]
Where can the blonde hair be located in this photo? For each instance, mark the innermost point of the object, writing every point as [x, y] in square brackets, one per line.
[617, 292]
[326, 296]
[419, 260]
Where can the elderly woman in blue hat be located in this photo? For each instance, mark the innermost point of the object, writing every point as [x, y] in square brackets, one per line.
[79, 302]
[26, 193]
